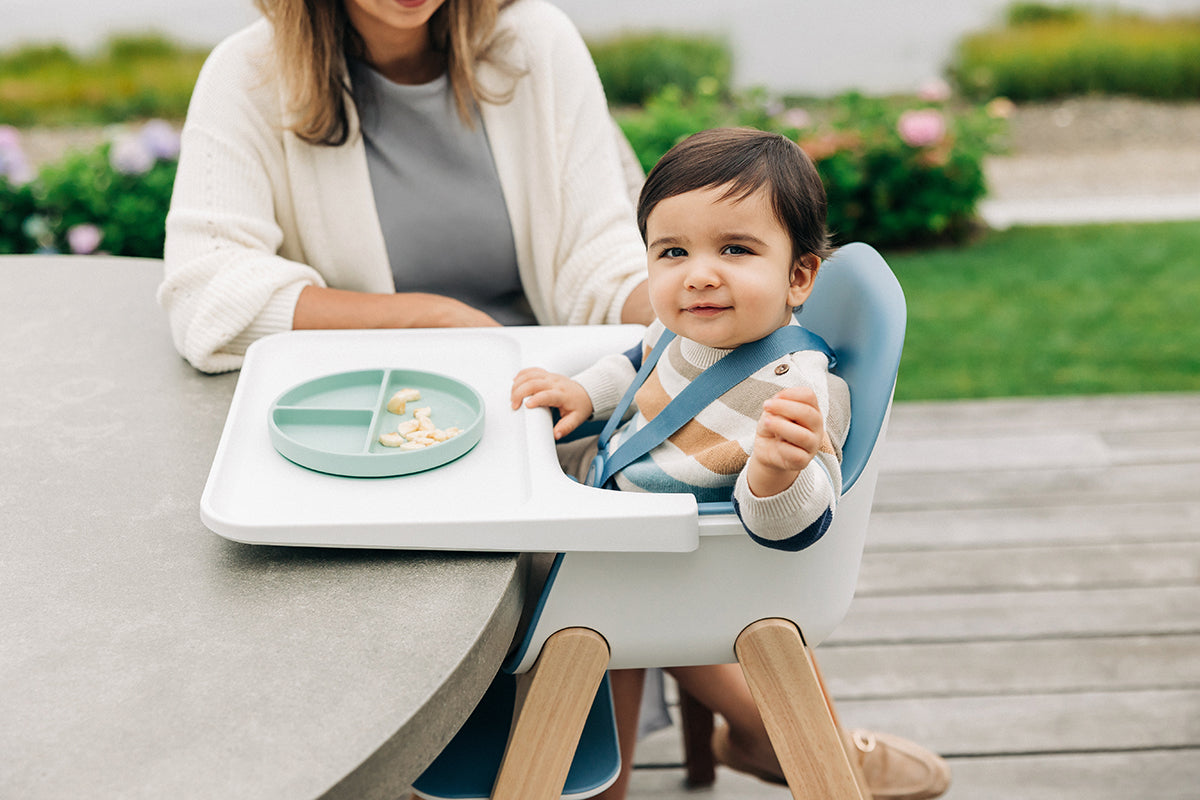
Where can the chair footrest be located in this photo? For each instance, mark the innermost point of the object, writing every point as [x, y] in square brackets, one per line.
[468, 766]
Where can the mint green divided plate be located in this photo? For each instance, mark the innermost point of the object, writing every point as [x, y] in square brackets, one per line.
[332, 424]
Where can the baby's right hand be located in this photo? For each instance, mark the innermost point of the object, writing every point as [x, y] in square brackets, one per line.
[541, 389]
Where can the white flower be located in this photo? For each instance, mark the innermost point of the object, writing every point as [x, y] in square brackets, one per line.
[797, 118]
[129, 155]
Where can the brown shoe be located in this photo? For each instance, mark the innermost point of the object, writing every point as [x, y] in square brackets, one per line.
[898, 769]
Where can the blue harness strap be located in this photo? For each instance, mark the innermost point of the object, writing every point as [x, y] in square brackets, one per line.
[717, 379]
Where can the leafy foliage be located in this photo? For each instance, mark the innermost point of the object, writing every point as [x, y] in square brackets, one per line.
[112, 199]
[1048, 53]
[636, 67]
[131, 77]
[886, 184]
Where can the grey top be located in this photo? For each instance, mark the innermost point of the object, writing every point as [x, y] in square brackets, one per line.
[144, 656]
[439, 199]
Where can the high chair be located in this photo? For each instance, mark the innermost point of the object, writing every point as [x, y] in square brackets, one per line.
[730, 599]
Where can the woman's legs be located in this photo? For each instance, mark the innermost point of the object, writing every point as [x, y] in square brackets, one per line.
[723, 688]
[627, 705]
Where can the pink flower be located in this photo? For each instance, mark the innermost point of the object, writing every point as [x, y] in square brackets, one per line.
[921, 128]
[10, 138]
[83, 239]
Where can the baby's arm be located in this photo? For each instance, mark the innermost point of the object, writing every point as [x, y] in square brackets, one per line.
[786, 436]
[790, 431]
[538, 388]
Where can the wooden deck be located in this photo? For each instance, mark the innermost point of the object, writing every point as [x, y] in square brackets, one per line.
[1029, 603]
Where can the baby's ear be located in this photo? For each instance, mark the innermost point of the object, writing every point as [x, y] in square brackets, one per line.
[804, 274]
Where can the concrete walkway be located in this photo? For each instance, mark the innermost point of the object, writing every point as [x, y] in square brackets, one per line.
[1127, 185]
[1096, 160]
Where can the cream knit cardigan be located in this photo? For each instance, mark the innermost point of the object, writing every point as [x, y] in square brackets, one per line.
[257, 214]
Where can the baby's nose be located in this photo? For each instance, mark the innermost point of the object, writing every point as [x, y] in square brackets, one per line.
[703, 275]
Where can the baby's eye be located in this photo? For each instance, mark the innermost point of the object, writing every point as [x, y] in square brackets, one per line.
[735, 250]
[673, 252]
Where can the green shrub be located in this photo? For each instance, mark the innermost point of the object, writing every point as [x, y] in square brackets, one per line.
[1032, 13]
[902, 175]
[669, 117]
[112, 199]
[129, 209]
[16, 206]
[896, 173]
[131, 77]
[636, 67]
[1072, 54]
[31, 58]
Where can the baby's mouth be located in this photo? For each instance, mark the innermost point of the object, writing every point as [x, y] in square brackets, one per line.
[706, 309]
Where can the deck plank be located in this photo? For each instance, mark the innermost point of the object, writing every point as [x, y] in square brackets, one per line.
[1067, 523]
[1038, 723]
[1028, 603]
[1161, 775]
[1053, 567]
[1021, 615]
[1011, 668]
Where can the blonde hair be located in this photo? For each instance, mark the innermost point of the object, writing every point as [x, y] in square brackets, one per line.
[313, 39]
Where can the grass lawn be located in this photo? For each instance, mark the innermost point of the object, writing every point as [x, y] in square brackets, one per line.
[1052, 311]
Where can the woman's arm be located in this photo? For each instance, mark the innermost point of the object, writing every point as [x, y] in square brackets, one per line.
[320, 307]
[637, 306]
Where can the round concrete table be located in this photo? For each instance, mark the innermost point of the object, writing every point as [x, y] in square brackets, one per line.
[143, 655]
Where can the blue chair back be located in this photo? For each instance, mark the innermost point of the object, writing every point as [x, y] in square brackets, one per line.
[858, 308]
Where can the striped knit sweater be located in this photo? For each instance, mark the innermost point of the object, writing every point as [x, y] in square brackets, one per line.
[707, 456]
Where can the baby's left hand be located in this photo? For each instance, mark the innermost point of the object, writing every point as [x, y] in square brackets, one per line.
[790, 431]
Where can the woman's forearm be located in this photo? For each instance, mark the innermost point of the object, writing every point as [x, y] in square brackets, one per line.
[323, 308]
[637, 306]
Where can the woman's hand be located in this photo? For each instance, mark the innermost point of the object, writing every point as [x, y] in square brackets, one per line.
[541, 389]
[790, 431]
[324, 308]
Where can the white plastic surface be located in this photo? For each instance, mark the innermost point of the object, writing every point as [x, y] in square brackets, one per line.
[506, 494]
[686, 609]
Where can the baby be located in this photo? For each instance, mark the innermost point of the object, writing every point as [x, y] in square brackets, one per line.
[734, 226]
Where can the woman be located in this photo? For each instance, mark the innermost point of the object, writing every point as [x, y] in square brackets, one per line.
[397, 163]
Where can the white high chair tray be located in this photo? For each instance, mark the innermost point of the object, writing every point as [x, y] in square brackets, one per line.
[507, 493]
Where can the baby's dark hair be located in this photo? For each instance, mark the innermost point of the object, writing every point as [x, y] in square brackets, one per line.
[746, 159]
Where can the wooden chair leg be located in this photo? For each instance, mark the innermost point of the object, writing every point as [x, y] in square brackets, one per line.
[844, 735]
[787, 690]
[696, 719]
[542, 743]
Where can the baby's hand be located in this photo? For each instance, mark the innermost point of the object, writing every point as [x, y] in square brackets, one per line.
[541, 389]
[790, 431]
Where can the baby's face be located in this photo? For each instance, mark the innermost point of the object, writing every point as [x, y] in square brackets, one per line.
[721, 271]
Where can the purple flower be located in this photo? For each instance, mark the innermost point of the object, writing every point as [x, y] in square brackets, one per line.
[14, 165]
[158, 137]
[921, 128]
[129, 155]
[83, 239]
